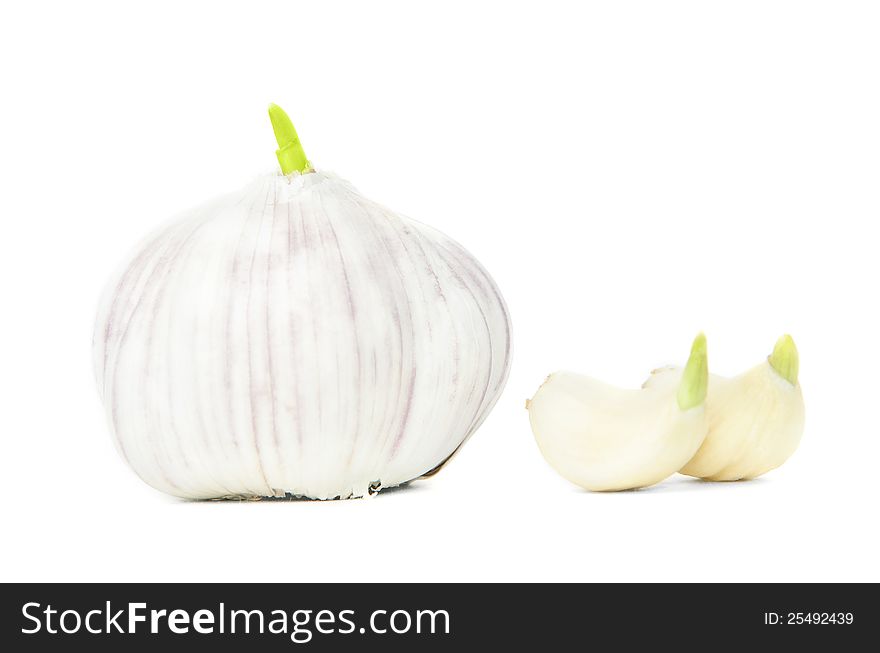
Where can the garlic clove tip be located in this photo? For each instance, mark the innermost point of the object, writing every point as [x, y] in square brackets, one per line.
[785, 359]
[695, 378]
[290, 153]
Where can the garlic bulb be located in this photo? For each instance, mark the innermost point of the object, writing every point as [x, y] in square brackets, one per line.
[606, 438]
[756, 419]
[296, 338]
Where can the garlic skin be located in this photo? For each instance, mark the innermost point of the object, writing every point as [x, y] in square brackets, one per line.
[605, 438]
[756, 420]
[296, 338]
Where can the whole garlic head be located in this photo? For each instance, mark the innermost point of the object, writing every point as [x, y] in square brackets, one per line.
[756, 419]
[607, 438]
[296, 338]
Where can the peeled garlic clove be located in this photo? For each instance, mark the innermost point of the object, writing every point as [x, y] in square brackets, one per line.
[606, 438]
[756, 419]
[296, 338]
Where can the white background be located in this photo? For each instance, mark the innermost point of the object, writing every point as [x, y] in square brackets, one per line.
[630, 173]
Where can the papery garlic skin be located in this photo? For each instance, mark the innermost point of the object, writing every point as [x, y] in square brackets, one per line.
[297, 339]
[756, 421]
[605, 438]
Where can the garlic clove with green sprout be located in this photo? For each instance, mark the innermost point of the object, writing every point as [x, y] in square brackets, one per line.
[756, 419]
[296, 338]
[607, 438]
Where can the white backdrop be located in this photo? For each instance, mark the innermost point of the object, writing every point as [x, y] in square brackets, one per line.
[629, 172]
